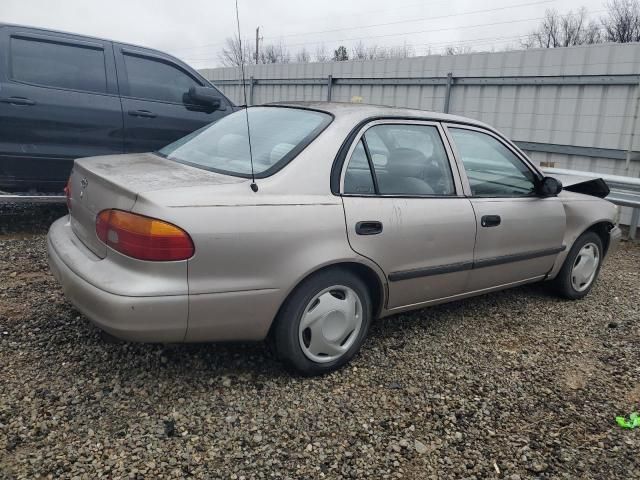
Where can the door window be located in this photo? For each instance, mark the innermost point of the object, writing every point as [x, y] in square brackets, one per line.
[156, 80]
[60, 65]
[357, 178]
[407, 160]
[492, 169]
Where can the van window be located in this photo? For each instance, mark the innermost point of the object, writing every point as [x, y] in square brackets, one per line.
[60, 65]
[156, 80]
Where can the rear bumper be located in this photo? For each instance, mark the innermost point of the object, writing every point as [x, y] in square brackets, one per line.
[149, 313]
[160, 318]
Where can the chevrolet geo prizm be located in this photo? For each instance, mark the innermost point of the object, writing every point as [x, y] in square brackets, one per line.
[360, 212]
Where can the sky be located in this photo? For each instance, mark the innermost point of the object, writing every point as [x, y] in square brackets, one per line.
[195, 30]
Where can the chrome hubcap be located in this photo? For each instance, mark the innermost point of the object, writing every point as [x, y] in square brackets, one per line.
[585, 267]
[330, 324]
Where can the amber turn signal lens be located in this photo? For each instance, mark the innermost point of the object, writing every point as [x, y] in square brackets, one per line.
[144, 238]
[67, 193]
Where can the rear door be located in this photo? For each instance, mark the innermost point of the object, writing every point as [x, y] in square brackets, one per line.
[156, 106]
[58, 102]
[406, 211]
[519, 233]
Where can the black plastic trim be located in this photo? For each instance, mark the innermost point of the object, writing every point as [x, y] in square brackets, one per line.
[462, 266]
[428, 271]
[518, 257]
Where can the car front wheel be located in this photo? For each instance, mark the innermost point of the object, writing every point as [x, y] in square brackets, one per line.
[324, 322]
[581, 267]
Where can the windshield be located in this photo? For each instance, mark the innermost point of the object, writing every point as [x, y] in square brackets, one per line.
[278, 134]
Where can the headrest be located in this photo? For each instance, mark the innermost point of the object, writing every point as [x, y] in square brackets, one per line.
[407, 162]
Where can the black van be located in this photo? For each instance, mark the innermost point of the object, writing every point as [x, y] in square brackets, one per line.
[65, 96]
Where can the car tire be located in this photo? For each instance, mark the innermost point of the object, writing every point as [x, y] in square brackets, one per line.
[333, 303]
[572, 284]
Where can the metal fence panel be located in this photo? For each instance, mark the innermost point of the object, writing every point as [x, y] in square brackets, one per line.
[570, 107]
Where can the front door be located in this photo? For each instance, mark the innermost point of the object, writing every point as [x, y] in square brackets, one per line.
[405, 210]
[519, 233]
[155, 103]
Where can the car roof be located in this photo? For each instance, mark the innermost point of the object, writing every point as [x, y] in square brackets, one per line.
[89, 37]
[362, 111]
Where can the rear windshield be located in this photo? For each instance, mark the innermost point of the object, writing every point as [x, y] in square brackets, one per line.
[278, 134]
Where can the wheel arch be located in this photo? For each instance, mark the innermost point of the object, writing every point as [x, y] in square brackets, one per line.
[373, 280]
[600, 227]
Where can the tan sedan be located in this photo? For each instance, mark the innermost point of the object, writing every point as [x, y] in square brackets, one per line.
[357, 212]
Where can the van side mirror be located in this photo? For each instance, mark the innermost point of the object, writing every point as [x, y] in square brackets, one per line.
[549, 187]
[205, 96]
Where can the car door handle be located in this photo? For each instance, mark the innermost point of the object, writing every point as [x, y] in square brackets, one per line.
[142, 113]
[18, 101]
[490, 220]
[368, 228]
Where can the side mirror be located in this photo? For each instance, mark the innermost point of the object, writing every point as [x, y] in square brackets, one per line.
[205, 96]
[549, 187]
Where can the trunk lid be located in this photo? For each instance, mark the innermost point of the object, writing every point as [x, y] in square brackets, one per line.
[114, 181]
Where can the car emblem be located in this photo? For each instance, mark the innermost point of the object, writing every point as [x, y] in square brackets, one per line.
[84, 182]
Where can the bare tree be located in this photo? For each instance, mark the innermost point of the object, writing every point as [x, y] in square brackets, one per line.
[274, 53]
[577, 29]
[623, 21]
[566, 30]
[303, 56]
[231, 56]
[548, 33]
[593, 33]
[459, 50]
[400, 51]
[374, 52]
[359, 51]
[321, 54]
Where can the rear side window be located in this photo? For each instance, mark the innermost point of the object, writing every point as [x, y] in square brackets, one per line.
[156, 80]
[357, 178]
[60, 65]
[406, 160]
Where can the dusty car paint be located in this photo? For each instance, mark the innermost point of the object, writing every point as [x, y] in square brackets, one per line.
[253, 249]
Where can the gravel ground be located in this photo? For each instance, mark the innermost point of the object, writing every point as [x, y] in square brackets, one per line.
[516, 385]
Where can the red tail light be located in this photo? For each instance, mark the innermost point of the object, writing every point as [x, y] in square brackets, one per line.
[67, 193]
[143, 237]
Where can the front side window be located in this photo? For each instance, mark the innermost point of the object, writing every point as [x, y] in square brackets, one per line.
[59, 65]
[492, 169]
[406, 159]
[278, 134]
[156, 80]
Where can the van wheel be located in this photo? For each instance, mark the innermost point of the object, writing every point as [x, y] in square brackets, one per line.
[581, 267]
[324, 322]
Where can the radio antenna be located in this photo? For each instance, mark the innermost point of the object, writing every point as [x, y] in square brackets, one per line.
[254, 186]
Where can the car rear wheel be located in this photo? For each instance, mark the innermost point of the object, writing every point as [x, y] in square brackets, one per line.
[324, 322]
[581, 267]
